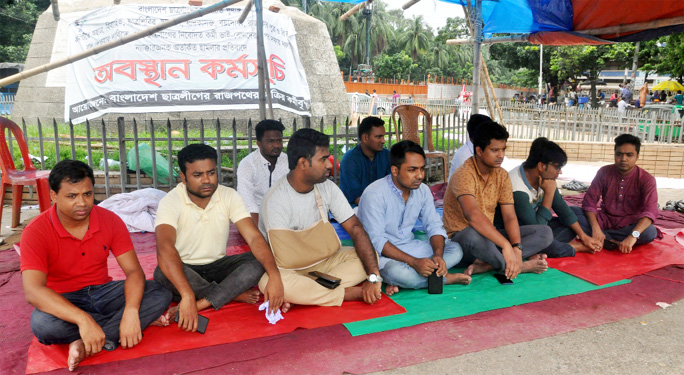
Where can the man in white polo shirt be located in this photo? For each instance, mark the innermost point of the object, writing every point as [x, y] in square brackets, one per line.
[192, 229]
[258, 171]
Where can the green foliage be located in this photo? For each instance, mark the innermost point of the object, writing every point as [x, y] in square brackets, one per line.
[19, 18]
[664, 56]
[397, 66]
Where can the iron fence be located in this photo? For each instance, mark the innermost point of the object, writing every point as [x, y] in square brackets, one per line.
[48, 144]
[6, 103]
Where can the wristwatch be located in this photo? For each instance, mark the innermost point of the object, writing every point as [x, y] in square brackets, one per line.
[636, 234]
[518, 245]
[373, 278]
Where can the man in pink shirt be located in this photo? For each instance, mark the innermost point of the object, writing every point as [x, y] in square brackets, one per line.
[629, 201]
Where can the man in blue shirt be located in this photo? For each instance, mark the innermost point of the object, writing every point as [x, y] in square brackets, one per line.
[366, 162]
[679, 98]
[389, 209]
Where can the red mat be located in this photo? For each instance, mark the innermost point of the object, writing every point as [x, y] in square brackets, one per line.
[609, 266]
[234, 322]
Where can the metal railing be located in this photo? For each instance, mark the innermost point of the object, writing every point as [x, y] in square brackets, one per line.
[96, 140]
[6, 103]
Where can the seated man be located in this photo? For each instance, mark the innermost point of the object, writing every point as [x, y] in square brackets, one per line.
[388, 211]
[629, 201]
[192, 228]
[535, 196]
[467, 150]
[294, 218]
[366, 162]
[264, 166]
[65, 277]
[470, 202]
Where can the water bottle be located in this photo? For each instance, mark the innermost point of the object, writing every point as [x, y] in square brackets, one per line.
[111, 163]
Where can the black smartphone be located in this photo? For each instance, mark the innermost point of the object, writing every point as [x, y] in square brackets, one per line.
[435, 283]
[202, 322]
[503, 280]
[326, 277]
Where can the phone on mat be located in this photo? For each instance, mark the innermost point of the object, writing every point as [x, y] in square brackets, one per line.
[202, 322]
[503, 280]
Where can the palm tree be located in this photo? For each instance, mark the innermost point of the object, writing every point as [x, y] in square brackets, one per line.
[416, 38]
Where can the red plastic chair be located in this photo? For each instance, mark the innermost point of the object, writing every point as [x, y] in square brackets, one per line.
[19, 179]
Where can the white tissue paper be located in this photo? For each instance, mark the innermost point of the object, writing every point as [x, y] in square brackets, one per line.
[273, 318]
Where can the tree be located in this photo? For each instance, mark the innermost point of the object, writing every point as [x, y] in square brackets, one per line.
[398, 65]
[415, 39]
[516, 56]
[19, 18]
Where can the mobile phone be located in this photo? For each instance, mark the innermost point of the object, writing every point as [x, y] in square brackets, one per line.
[325, 276]
[503, 280]
[202, 322]
[435, 283]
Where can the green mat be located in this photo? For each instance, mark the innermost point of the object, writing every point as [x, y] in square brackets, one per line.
[483, 294]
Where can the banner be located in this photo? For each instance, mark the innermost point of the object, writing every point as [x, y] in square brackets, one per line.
[205, 64]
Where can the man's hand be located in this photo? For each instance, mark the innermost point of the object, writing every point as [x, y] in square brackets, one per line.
[513, 258]
[92, 335]
[424, 266]
[626, 245]
[371, 292]
[549, 186]
[274, 293]
[441, 265]
[187, 315]
[591, 243]
[130, 333]
[598, 235]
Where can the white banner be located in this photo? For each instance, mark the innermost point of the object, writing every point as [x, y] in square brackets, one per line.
[205, 64]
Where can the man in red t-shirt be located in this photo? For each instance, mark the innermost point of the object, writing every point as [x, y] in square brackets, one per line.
[64, 271]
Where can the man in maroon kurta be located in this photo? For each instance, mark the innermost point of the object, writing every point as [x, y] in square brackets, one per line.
[628, 201]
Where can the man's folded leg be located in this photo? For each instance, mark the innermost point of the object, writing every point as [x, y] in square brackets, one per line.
[301, 289]
[230, 277]
[402, 275]
[534, 239]
[476, 246]
[647, 236]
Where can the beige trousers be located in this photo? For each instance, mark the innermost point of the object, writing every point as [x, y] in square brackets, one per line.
[302, 289]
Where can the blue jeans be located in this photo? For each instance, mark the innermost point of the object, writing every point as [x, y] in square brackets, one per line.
[404, 276]
[534, 239]
[617, 234]
[105, 303]
[218, 282]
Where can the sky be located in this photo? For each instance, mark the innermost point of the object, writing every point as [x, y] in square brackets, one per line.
[434, 12]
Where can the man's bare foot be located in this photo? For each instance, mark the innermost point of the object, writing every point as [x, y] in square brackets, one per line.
[458, 278]
[478, 266]
[581, 248]
[538, 256]
[391, 289]
[76, 354]
[249, 296]
[535, 265]
[285, 307]
[354, 293]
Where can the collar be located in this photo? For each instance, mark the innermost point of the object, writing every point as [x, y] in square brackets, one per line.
[521, 171]
[93, 224]
[215, 198]
[395, 189]
[263, 161]
[472, 160]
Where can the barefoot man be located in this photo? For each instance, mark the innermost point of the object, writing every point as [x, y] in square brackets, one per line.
[389, 209]
[536, 196]
[192, 228]
[64, 271]
[470, 202]
[294, 218]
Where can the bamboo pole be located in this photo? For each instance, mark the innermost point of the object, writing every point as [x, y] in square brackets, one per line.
[355, 10]
[409, 4]
[246, 11]
[491, 86]
[107, 46]
[501, 39]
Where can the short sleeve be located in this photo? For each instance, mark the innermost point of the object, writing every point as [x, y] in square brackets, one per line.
[340, 209]
[245, 179]
[33, 252]
[121, 242]
[463, 183]
[169, 210]
[236, 207]
[505, 189]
